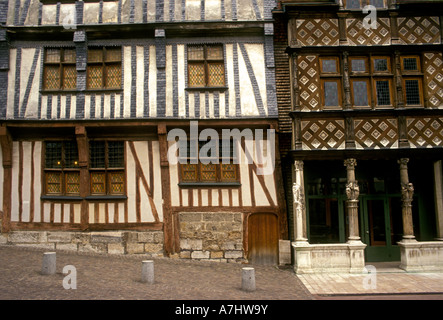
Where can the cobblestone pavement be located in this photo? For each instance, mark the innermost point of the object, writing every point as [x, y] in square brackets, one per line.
[115, 277]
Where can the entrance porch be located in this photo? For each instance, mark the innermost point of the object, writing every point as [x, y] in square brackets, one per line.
[346, 218]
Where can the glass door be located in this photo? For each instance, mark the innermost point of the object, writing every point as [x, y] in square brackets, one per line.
[380, 227]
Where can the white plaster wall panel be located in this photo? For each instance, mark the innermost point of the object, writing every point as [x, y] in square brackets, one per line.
[91, 13]
[26, 185]
[138, 11]
[37, 180]
[230, 78]
[245, 10]
[111, 212]
[127, 81]
[32, 18]
[235, 198]
[140, 80]
[11, 83]
[151, 11]
[193, 10]
[212, 10]
[130, 184]
[67, 15]
[15, 182]
[257, 58]
[57, 213]
[181, 81]
[121, 212]
[185, 197]
[152, 82]
[169, 85]
[259, 194]
[158, 196]
[46, 212]
[77, 213]
[49, 14]
[110, 12]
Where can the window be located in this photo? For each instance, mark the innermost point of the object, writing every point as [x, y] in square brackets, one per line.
[383, 92]
[62, 175]
[59, 69]
[381, 64]
[207, 170]
[104, 68]
[377, 3]
[412, 88]
[107, 167]
[360, 92]
[352, 4]
[206, 66]
[330, 82]
[412, 80]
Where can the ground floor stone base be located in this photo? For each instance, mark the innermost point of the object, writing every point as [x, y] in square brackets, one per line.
[112, 242]
[421, 256]
[334, 258]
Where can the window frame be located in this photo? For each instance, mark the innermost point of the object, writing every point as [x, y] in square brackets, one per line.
[107, 170]
[420, 91]
[63, 170]
[104, 64]
[378, 72]
[198, 168]
[368, 89]
[61, 64]
[374, 92]
[206, 62]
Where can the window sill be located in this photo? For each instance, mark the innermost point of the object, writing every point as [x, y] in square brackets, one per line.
[78, 198]
[61, 198]
[75, 91]
[209, 184]
[206, 88]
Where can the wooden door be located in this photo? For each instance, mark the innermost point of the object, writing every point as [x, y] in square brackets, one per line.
[263, 239]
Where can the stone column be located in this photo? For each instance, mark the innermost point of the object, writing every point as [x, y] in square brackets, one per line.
[407, 193]
[352, 193]
[299, 208]
[438, 190]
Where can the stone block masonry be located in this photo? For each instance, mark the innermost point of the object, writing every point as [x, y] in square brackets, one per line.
[111, 242]
[212, 236]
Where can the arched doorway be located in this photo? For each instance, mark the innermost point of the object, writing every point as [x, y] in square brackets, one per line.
[263, 239]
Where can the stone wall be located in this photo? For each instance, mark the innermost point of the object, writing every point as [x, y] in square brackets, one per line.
[214, 236]
[112, 242]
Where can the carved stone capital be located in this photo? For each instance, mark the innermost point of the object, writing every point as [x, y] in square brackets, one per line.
[298, 165]
[352, 190]
[407, 192]
[403, 162]
[350, 163]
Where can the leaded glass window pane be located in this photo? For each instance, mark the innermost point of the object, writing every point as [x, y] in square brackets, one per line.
[377, 3]
[215, 53]
[98, 182]
[69, 77]
[97, 154]
[52, 55]
[383, 93]
[95, 77]
[360, 92]
[410, 64]
[358, 65]
[380, 65]
[52, 77]
[329, 65]
[116, 154]
[331, 93]
[196, 53]
[412, 92]
[352, 4]
[114, 76]
[53, 155]
[216, 74]
[196, 75]
[73, 182]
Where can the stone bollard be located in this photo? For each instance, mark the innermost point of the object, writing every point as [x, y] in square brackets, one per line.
[148, 271]
[48, 263]
[248, 279]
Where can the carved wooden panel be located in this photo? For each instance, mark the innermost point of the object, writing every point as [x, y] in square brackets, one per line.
[425, 132]
[309, 82]
[317, 32]
[419, 29]
[433, 69]
[323, 134]
[359, 35]
[376, 133]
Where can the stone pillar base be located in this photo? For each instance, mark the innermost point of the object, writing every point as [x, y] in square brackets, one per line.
[421, 256]
[335, 258]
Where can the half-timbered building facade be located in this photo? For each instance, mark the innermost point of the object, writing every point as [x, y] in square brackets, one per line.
[92, 92]
[360, 96]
